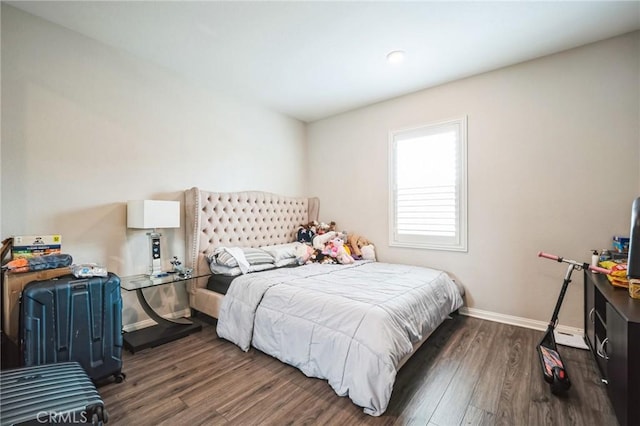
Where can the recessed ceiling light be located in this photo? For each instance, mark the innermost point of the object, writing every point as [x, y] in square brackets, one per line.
[395, 57]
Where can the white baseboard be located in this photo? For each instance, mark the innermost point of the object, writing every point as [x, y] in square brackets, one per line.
[519, 321]
[149, 322]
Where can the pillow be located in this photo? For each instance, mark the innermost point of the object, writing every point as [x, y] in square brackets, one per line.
[254, 256]
[282, 251]
[235, 271]
[286, 262]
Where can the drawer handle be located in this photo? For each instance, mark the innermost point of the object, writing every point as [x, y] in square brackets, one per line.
[592, 317]
[602, 351]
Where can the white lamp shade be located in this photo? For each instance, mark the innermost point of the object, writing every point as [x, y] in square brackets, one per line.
[152, 214]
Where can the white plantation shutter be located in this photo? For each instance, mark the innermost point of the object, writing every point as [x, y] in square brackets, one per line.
[428, 186]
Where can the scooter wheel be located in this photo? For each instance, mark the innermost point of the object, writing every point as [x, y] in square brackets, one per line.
[560, 383]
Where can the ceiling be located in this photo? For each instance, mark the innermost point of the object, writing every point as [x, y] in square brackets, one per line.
[311, 60]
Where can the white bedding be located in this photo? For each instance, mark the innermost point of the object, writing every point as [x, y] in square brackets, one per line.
[348, 324]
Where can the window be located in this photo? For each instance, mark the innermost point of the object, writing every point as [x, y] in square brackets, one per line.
[428, 186]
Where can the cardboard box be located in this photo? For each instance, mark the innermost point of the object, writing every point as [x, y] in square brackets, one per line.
[12, 289]
[26, 246]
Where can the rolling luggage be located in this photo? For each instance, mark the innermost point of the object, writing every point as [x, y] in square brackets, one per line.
[49, 394]
[70, 319]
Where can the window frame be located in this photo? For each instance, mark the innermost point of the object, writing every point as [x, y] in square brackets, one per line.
[458, 243]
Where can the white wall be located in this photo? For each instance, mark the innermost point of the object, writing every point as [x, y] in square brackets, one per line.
[553, 158]
[552, 165]
[87, 127]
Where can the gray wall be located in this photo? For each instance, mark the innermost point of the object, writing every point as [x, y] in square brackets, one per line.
[86, 128]
[553, 159]
[553, 148]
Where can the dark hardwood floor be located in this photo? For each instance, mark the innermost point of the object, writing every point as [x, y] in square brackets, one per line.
[470, 372]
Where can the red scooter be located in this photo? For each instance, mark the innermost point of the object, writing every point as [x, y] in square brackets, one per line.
[554, 370]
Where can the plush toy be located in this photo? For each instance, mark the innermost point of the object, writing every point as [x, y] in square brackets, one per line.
[323, 258]
[332, 247]
[304, 254]
[343, 256]
[307, 232]
[368, 252]
[320, 240]
[336, 249]
[356, 242]
[323, 228]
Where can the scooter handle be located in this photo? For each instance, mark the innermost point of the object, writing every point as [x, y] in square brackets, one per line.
[573, 262]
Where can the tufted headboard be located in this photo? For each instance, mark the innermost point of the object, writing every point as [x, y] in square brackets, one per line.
[240, 219]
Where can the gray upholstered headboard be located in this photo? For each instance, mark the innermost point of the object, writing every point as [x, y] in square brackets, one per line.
[240, 219]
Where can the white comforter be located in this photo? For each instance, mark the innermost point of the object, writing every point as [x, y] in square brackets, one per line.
[349, 324]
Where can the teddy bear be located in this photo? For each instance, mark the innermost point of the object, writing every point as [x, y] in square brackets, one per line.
[356, 242]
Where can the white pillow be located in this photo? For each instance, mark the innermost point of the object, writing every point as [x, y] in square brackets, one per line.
[282, 251]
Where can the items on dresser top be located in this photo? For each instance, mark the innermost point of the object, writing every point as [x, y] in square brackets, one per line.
[612, 331]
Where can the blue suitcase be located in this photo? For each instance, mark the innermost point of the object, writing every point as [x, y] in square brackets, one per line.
[49, 394]
[70, 319]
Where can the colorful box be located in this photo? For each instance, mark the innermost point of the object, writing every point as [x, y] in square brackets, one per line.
[621, 244]
[27, 246]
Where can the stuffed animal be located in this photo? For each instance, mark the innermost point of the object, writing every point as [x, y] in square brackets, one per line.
[320, 240]
[323, 258]
[332, 247]
[368, 252]
[323, 228]
[343, 256]
[336, 249]
[304, 254]
[356, 242]
[307, 232]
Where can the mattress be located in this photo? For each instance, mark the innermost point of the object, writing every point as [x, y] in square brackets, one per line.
[219, 283]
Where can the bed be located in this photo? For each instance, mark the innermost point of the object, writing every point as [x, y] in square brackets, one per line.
[353, 325]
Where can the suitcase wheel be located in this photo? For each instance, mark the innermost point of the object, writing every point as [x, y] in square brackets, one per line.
[99, 415]
[103, 415]
[120, 377]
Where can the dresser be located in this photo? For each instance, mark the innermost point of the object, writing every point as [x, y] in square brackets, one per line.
[612, 331]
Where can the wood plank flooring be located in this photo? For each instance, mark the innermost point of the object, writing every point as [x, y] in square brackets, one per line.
[470, 372]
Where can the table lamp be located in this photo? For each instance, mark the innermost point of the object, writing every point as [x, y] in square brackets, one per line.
[153, 214]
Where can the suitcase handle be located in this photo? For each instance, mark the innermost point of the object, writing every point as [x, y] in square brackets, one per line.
[79, 286]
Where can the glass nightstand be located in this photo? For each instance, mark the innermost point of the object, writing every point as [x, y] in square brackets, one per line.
[166, 329]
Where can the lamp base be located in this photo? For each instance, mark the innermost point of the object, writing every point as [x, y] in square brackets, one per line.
[155, 267]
